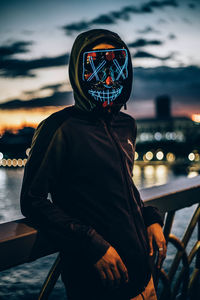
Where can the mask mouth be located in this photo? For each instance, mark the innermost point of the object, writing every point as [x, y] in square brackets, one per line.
[107, 95]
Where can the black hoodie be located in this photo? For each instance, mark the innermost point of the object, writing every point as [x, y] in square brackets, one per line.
[84, 159]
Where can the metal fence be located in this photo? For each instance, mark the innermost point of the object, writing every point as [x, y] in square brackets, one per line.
[21, 243]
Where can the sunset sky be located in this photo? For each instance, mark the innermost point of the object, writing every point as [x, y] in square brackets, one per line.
[37, 36]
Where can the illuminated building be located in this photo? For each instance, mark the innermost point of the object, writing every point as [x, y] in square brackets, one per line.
[176, 135]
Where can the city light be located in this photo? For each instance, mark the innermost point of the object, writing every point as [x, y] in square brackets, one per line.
[149, 171]
[20, 162]
[196, 155]
[1, 155]
[196, 118]
[24, 161]
[149, 155]
[27, 151]
[136, 155]
[170, 157]
[191, 156]
[3, 162]
[13, 162]
[9, 162]
[159, 155]
[161, 170]
[170, 135]
[192, 174]
[136, 170]
[161, 173]
[158, 136]
[145, 136]
[144, 158]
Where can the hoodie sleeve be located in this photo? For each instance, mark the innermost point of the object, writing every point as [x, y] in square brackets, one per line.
[150, 214]
[40, 171]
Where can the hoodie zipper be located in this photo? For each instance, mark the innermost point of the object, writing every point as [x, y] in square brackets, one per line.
[114, 142]
[128, 192]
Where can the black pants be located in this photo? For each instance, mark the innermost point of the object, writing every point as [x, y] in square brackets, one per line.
[82, 282]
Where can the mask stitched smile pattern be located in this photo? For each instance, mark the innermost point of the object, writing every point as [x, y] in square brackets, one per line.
[104, 72]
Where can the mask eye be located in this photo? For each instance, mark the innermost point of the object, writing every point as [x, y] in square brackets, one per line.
[102, 75]
[124, 53]
[87, 75]
[98, 65]
[110, 55]
[93, 55]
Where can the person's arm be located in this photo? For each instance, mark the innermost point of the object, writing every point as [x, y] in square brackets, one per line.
[154, 224]
[152, 220]
[150, 214]
[43, 164]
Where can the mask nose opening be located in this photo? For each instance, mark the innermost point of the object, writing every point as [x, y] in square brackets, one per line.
[109, 81]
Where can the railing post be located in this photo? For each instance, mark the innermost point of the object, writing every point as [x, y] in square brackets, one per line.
[50, 280]
[194, 286]
[168, 224]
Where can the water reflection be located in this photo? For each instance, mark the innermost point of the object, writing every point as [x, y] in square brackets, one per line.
[146, 175]
[10, 184]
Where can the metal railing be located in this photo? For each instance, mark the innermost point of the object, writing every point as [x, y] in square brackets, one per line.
[169, 198]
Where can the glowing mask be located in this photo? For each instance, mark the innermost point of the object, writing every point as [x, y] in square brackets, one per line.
[104, 72]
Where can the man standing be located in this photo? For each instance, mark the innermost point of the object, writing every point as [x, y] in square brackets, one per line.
[83, 157]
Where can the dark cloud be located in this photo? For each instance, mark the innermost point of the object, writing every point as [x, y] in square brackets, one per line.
[76, 26]
[104, 20]
[149, 6]
[144, 54]
[53, 87]
[114, 16]
[23, 68]
[148, 29]
[14, 48]
[143, 43]
[172, 36]
[186, 20]
[162, 21]
[29, 92]
[121, 15]
[182, 83]
[191, 5]
[57, 99]
[27, 32]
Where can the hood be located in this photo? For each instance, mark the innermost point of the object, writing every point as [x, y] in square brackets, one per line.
[85, 42]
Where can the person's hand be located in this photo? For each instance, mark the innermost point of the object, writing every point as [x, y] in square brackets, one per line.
[111, 268]
[155, 233]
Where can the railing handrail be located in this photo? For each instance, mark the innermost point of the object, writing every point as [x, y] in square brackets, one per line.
[175, 195]
[20, 242]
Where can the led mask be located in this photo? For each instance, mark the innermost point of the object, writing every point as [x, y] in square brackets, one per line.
[104, 72]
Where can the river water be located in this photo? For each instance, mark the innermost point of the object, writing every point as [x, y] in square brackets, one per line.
[24, 282]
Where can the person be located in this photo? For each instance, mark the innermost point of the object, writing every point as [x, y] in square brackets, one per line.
[78, 187]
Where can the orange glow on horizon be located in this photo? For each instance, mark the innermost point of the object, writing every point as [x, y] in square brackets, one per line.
[15, 119]
[196, 118]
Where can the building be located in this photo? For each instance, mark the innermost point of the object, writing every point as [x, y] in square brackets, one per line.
[180, 135]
